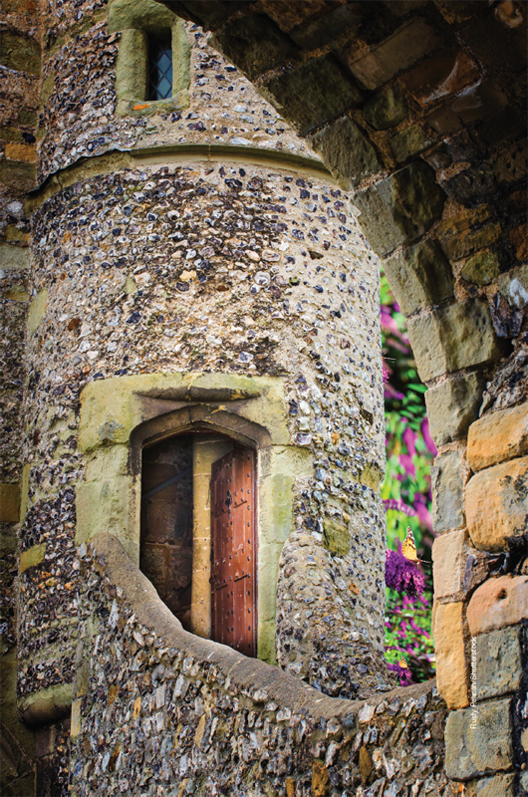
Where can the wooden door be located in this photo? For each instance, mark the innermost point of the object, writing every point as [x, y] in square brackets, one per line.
[233, 578]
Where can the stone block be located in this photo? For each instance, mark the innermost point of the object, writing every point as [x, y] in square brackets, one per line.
[9, 503]
[499, 786]
[472, 184]
[473, 104]
[386, 108]
[131, 66]
[14, 256]
[336, 537]
[445, 73]
[456, 337]
[499, 665]
[457, 10]
[449, 558]
[288, 15]
[498, 603]
[347, 151]
[146, 16]
[20, 176]
[468, 242]
[519, 239]
[478, 745]
[497, 437]
[32, 557]
[312, 93]
[20, 53]
[409, 142]
[447, 488]
[254, 43]
[452, 406]
[496, 505]
[451, 674]
[481, 269]
[400, 208]
[403, 48]
[37, 310]
[419, 276]
[21, 152]
[324, 29]
[514, 286]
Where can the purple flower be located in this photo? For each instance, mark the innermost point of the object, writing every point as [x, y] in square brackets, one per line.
[407, 464]
[399, 505]
[402, 575]
[429, 442]
[403, 673]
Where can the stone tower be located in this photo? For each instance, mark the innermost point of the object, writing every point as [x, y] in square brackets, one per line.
[193, 354]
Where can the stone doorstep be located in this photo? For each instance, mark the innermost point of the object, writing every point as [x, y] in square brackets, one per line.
[497, 437]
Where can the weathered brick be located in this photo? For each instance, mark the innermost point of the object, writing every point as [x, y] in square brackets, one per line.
[452, 406]
[447, 340]
[386, 108]
[451, 675]
[447, 488]
[499, 665]
[346, 150]
[419, 276]
[481, 269]
[449, 558]
[445, 73]
[401, 207]
[497, 437]
[498, 603]
[497, 505]
[313, 93]
[478, 744]
[412, 41]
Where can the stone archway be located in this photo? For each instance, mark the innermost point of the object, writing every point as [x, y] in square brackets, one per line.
[419, 108]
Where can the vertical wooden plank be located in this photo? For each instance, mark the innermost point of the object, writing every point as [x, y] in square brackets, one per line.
[234, 550]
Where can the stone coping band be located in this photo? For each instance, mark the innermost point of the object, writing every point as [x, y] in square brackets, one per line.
[116, 159]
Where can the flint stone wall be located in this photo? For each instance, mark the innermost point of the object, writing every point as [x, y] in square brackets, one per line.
[223, 269]
[168, 713]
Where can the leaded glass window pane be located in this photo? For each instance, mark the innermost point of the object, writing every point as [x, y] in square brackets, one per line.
[160, 67]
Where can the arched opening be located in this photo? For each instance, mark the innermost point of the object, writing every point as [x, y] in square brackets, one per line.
[198, 540]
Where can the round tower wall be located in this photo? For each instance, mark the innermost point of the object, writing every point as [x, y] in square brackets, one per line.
[193, 260]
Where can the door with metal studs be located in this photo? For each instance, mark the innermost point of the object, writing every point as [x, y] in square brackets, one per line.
[233, 577]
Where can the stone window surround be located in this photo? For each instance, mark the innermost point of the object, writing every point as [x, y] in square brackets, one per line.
[134, 22]
[122, 414]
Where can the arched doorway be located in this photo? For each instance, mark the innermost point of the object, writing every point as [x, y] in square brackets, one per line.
[198, 534]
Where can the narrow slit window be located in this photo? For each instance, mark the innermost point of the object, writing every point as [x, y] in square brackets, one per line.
[160, 67]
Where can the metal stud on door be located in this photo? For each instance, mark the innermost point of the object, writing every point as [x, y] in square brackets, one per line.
[234, 550]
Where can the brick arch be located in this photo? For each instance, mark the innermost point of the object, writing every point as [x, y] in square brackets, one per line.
[418, 108]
